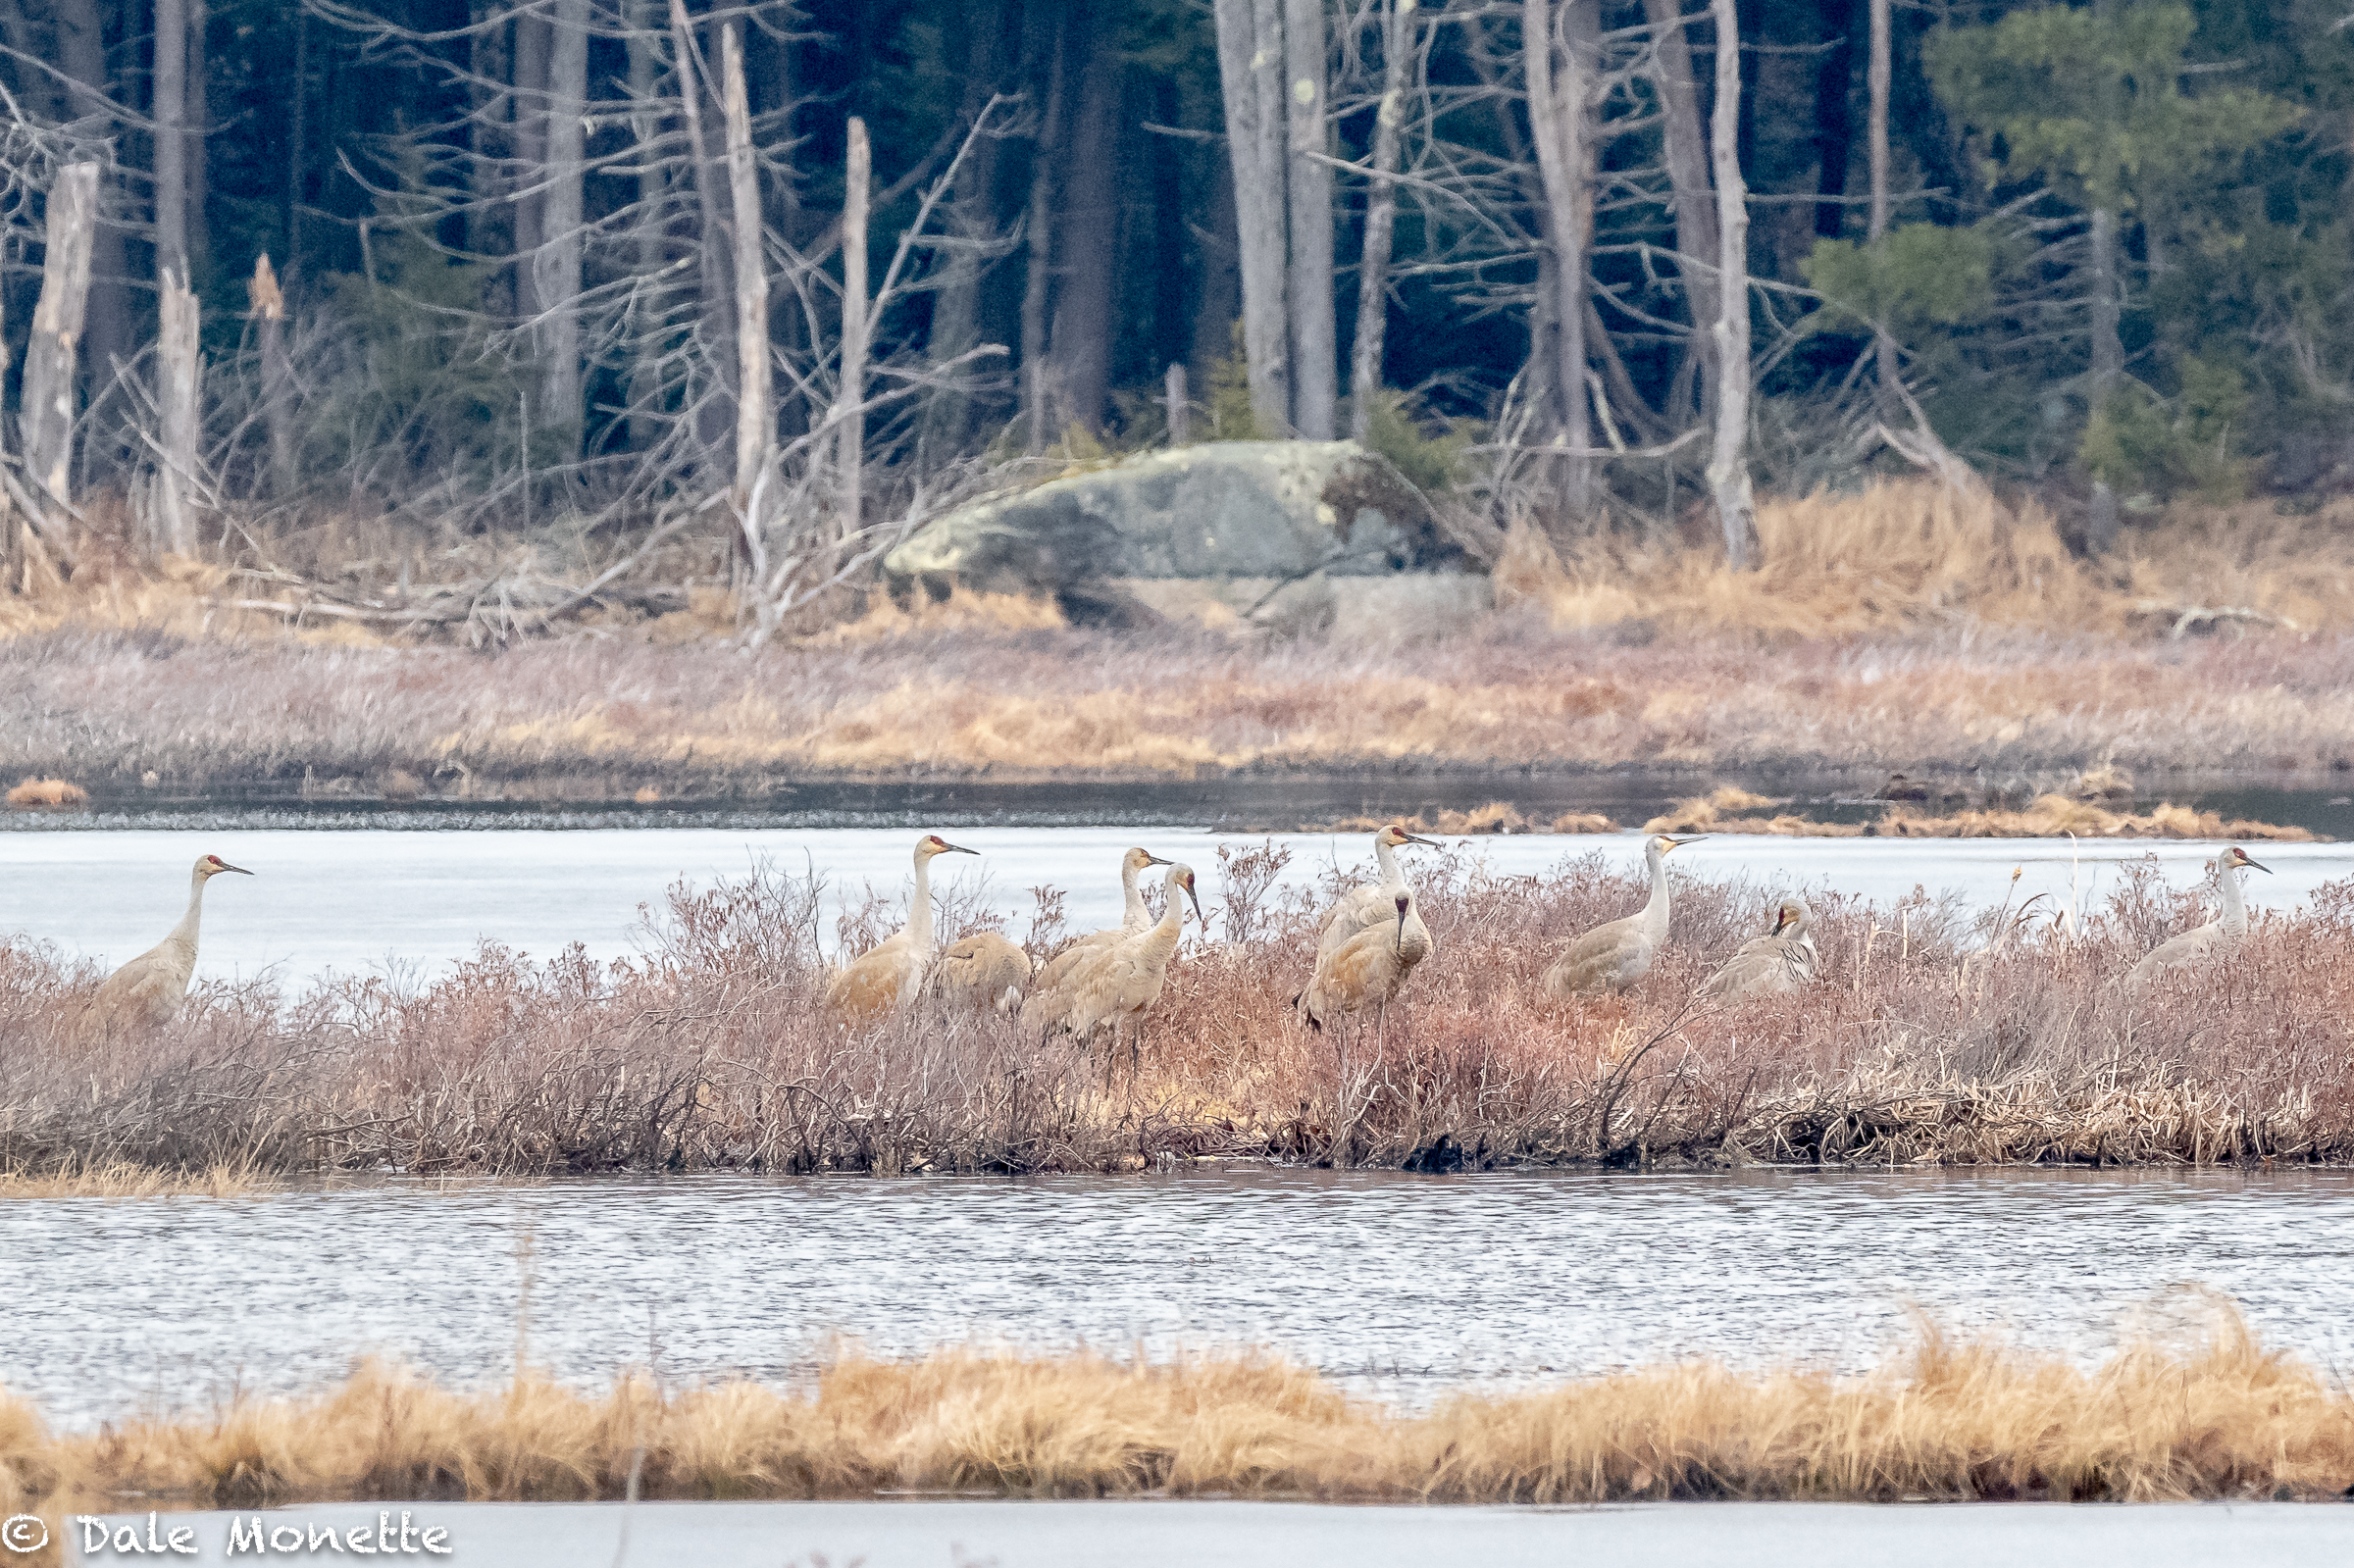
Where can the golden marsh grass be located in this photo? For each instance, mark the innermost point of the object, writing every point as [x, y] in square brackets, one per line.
[2211, 1414]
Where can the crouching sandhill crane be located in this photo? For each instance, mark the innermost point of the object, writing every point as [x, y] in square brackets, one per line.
[1118, 985]
[892, 973]
[1375, 902]
[1367, 970]
[1134, 919]
[1773, 965]
[981, 971]
[147, 991]
[2205, 943]
[1615, 955]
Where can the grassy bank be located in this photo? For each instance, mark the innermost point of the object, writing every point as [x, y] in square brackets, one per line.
[1905, 630]
[2214, 1416]
[1929, 1037]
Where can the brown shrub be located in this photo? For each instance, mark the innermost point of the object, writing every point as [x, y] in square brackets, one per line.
[1929, 1037]
[33, 795]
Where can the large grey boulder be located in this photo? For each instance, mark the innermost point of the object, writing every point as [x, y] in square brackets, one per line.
[1221, 510]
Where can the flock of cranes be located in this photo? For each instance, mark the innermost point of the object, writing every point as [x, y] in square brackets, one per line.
[1368, 943]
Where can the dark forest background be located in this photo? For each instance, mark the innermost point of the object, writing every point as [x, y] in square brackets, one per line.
[386, 156]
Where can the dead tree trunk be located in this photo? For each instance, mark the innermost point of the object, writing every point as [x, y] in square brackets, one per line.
[1880, 74]
[558, 264]
[277, 376]
[1250, 80]
[756, 433]
[645, 376]
[198, 126]
[176, 369]
[1728, 462]
[1381, 224]
[45, 421]
[1556, 118]
[170, 91]
[718, 325]
[2108, 345]
[1697, 243]
[1314, 394]
[849, 435]
[1038, 391]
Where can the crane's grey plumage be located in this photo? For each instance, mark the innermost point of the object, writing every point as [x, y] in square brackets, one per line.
[1134, 918]
[981, 971]
[2206, 943]
[147, 991]
[1369, 968]
[1773, 965]
[1375, 902]
[1615, 955]
[892, 973]
[1118, 985]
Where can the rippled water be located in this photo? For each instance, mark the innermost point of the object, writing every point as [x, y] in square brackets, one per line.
[1396, 1284]
[360, 900]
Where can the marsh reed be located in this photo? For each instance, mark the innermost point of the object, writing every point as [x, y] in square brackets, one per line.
[2205, 1412]
[1931, 1036]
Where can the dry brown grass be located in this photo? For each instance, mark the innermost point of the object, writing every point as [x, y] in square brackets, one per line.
[1929, 1037]
[36, 794]
[1915, 553]
[122, 1180]
[2050, 816]
[1902, 628]
[2211, 1414]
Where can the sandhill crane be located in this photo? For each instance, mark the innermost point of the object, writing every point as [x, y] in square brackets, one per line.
[1373, 903]
[981, 971]
[1367, 969]
[892, 973]
[2206, 942]
[1614, 956]
[1118, 985]
[1134, 918]
[148, 991]
[1773, 965]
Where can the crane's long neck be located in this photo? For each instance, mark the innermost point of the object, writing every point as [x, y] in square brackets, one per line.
[1654, 913]
[2236, 913]
[1393, 880]
[1134, 916]
[184, 934]
[1413, 938]
[1161, 940]
[919, 918]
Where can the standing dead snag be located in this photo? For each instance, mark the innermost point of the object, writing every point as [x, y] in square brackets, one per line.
[1251, 81]
[755, 432]
[1381, 218]
[850, 396]
[269, 306]
[1309, 187]
[45, 421]
[1557, 108]
[176, 369]
[1686, 150]
[1728, 463]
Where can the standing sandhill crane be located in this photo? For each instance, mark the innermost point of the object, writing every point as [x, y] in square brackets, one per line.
[2206, 942]
[1134, 918]
[147, 991]
[1773, 965]
[981, 971]
[1367, 970]
[892, 973]
[1120, 984]
[1614, 956]
[1373, 903]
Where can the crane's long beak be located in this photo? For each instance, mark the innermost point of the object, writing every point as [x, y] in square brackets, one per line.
[1427, 843]
[1200, 919]
[1151, 859]
[958, 849]
[1674, 844]
[2258, 864]
[242, 872]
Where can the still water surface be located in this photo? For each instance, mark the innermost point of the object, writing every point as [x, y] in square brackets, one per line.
[1397, 1285]
[356, 901]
